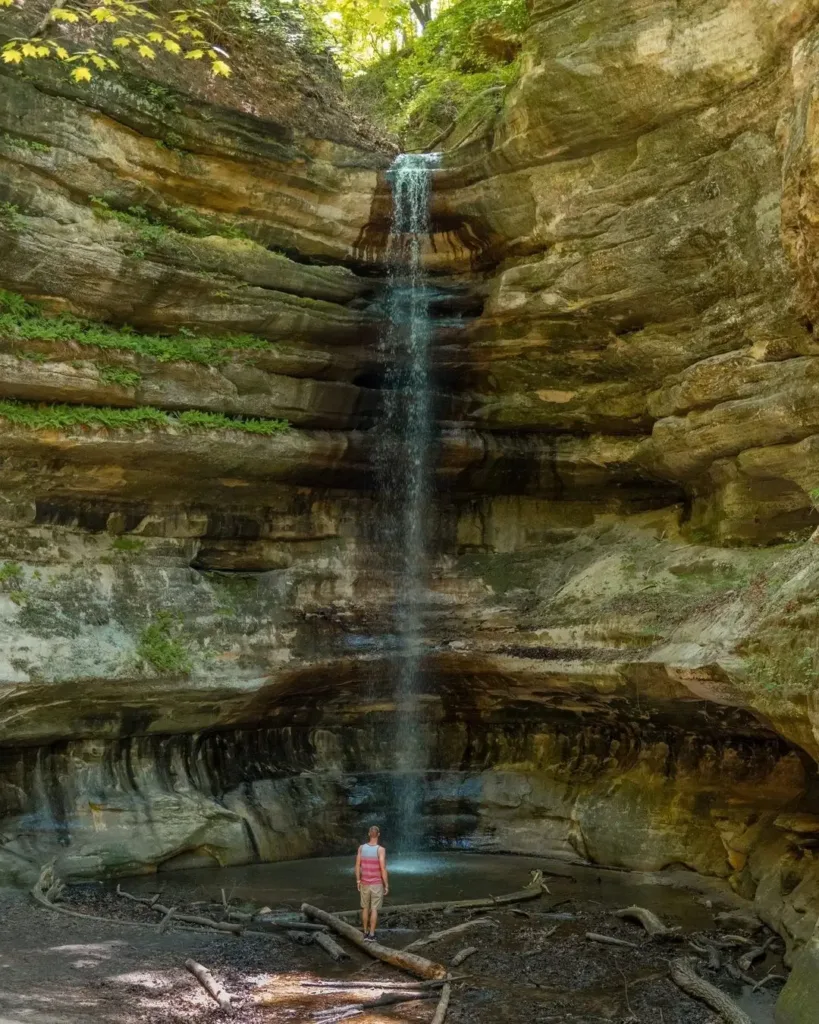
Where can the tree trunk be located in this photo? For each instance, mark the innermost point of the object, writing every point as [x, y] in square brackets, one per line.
[422, 11]
[411, 962]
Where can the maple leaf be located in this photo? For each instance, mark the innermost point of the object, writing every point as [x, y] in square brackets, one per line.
[81, 75]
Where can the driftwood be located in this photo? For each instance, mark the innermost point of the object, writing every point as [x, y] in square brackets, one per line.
[747, 959]
[770, 976]
[205, 922]
[531, 892]
[461, 955]
[685, 977]
[209, 984]
[354, 1009]
[443, 1004]
[649, 920]
[482, 922]
[411, 962]
[610, 940]
[382, 986]
[329, 945]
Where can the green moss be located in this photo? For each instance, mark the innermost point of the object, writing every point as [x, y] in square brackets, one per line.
[11, 576]
[120, 376]
[18, 142]
[154, 225]
[129, 544]
[62, 417]
[162, 646]
[24, 321]
[11, 214]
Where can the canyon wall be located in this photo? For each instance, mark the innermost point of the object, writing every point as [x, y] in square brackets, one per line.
[621, 619]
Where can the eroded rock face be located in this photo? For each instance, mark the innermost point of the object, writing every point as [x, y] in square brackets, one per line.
[621, 606]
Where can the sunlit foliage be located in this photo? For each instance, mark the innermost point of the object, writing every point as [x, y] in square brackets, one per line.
[136, 29]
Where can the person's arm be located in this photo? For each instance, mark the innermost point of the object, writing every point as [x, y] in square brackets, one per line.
[358, 868]
[382, 863]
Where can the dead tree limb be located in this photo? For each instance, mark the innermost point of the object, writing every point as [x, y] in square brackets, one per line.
[410, 962]
[610, 940]
[481, 922]
[649, 920]
[532, 891]
[209, 984]
[166, 920]
[460, 956]
[353, 1009]
[747, 959]
[206, 922]
[383, 986]
[685, 977]
[443, 1005]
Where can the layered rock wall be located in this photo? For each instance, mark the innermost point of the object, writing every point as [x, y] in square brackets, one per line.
[620, 616]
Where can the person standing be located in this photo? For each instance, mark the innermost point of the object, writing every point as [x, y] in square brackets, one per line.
[372, 880]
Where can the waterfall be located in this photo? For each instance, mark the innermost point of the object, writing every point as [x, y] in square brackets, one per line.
[405, 440]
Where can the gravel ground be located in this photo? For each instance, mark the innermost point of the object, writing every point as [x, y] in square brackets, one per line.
[55, 968]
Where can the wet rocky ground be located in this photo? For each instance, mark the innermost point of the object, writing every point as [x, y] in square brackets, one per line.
[533, 965]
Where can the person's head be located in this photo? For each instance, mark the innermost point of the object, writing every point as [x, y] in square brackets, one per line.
[374, 834]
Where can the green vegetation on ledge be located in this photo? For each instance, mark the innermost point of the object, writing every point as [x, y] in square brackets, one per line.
[62, 417]
[24, 321]
[161, 647]
[457, 69]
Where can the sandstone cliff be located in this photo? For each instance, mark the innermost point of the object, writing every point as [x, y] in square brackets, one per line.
[621, 615]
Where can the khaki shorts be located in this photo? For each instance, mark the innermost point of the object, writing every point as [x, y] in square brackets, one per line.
[372, 896]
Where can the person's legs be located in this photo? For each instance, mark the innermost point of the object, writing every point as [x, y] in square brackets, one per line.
[365, 908]
[376, 899]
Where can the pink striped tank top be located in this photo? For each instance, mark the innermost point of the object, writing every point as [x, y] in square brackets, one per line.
[370, 868]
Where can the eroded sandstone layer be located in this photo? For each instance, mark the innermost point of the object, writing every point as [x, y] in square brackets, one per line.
[621, 615]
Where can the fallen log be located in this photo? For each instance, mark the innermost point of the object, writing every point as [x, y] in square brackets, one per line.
[482, 922]
[532, 891]
[443, 1005]
[685, 977]
[330, 946]
[610, 940]
[460, 956]
[649, 920]
[272, 924]
[410, 962]
[209, 984]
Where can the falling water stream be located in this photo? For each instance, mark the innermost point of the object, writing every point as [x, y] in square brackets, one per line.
[405, 441]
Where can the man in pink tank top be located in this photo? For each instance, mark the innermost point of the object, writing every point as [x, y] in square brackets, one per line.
[372, 881]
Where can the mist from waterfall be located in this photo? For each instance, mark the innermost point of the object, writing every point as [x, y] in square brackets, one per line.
[404, 466]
